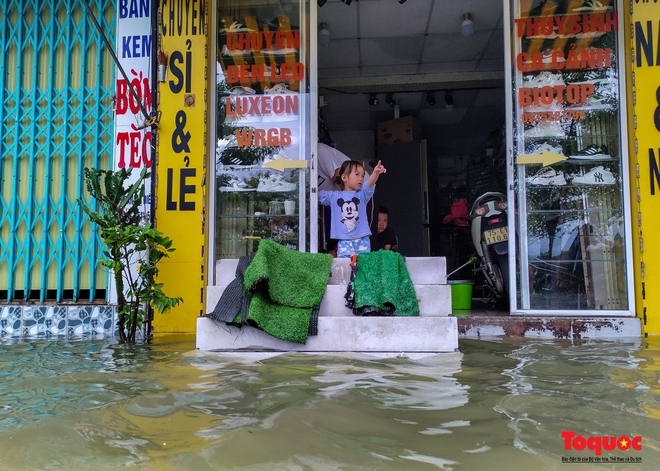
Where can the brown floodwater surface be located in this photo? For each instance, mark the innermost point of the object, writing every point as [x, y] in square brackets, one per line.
[495, 405]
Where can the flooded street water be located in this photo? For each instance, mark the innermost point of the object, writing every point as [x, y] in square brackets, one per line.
[496, 405]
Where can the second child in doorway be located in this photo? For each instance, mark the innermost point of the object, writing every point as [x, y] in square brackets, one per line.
[349, 223]
[385, 239]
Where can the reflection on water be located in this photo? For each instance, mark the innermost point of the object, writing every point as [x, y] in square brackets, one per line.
[495, 405]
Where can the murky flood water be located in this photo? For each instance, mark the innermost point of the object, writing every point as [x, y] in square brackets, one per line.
[495, 405]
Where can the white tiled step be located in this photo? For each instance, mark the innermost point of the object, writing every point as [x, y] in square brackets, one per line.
[423, 271]
[340, 334]
[434, 300]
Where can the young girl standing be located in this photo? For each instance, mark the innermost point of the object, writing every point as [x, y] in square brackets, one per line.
[349, 223]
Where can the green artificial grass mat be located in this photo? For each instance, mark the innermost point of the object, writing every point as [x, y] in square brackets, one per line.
[286, 286]
[382, 280]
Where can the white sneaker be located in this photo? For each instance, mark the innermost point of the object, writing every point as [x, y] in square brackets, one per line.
[544, 79]
[547, 176]
[595, 176]
[233, 184]
[240, 90]
[280, 52]
[592, 5]
[546, 129]
[274, 183]
[280, 88]
[545, 147]
[234, 53]
[231, 25]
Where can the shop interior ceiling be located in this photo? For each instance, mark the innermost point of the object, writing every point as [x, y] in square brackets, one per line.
[410, 49]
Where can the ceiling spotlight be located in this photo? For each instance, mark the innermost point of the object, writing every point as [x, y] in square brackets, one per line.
[467, 27]
[321, 2]
[449, 101]
[324, 34]
[347, 2]
[389, 99]
[430, 99]
[373, 101]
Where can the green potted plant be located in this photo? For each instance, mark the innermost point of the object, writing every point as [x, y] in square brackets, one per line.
[132, 250]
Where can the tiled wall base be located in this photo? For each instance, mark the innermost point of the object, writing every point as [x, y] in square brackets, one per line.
[28, 323]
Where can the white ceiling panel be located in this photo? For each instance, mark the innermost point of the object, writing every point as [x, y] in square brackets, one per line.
[347, 101]
[489, 96]
[379, 18]
[452, 48]
[447, 15]
[339, 53]
[339, 72]
[439, 115]
[341, 19]
[391, 51]
[436, 67]
[387, 70]
[495, 47]
[348, 120]
[490, 64]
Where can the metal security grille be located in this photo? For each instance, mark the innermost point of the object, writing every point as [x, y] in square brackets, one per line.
[56, 86]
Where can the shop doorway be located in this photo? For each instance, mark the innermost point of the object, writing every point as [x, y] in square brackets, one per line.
[374, 67]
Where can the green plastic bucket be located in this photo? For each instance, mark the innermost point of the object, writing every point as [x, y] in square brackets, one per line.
[461, 294]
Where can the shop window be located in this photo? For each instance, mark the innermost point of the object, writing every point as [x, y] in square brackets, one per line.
[570, 173]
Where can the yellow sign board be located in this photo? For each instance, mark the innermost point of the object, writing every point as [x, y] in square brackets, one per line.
[181, 156]
[643, 54]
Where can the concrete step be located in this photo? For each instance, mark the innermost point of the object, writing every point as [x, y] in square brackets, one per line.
[340, 334]
[423, 271]
[434, 300]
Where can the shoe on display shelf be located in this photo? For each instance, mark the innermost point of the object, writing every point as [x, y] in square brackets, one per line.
[231, 183]
[273, 183]
[272, 157]
[235, 53]
[546, 147]
[546, 129]
[231, 25]
[544, 79]
[280, 52]
[551, 108]
[595, 102]
[239, 90]
[547, 56]
[547, 176]
[592, 5]
[592, 152]
[280, 88]
[595, 176]
[232, 159]
[282, 22]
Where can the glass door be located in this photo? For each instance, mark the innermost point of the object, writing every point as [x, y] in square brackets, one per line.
[568, 137]
[261, 115]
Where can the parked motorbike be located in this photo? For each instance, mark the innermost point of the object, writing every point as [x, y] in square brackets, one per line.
[490, 235]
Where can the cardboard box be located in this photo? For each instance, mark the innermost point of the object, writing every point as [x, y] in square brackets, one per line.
[399, 130]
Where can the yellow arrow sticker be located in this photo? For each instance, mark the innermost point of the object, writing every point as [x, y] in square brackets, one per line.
[544, 158]
[280, 164]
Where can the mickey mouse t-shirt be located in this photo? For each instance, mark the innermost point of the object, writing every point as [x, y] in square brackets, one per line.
[349, 212]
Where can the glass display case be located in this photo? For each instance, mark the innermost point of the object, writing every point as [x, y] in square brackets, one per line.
[262, 145]
[570, 173]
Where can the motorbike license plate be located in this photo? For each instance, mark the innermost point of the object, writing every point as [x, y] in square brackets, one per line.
[493, 236]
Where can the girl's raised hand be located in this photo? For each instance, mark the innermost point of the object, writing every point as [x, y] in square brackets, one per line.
[379, 168]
